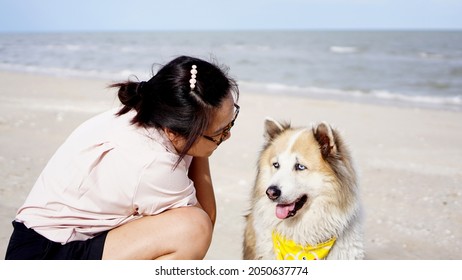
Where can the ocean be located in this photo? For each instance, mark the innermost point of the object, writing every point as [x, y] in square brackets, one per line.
[410, 68]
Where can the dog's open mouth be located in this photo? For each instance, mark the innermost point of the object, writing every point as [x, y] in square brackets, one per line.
[284, 211]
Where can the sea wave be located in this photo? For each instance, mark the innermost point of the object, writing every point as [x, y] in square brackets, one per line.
[443, 100]
[64, 47]
[430, 55]
[343, 49]
[375, 96]
[72, 72]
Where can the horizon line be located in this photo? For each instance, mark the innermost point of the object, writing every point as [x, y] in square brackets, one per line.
[233, 30]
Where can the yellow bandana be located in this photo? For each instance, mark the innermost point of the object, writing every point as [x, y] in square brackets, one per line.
[289, 250]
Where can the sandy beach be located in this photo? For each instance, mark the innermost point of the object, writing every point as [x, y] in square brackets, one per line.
[410, 160]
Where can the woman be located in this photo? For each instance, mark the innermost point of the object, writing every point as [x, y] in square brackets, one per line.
[134, 183]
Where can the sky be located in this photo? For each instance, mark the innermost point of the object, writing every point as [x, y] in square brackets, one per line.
[147, 15]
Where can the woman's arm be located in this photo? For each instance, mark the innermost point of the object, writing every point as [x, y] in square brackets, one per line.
[199, 173]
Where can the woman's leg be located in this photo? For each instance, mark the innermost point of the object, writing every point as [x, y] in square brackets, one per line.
[182, 233]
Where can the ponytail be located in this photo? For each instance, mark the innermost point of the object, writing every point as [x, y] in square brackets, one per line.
[130, 95]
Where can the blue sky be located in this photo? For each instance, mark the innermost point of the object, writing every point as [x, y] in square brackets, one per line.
[118, 15]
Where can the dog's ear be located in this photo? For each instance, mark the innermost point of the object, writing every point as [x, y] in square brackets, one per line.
[325, 136]
[274, 128]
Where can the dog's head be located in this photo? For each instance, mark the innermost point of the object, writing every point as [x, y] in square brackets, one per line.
[304, 169]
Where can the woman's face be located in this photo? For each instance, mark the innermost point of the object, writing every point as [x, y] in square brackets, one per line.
[218, 130]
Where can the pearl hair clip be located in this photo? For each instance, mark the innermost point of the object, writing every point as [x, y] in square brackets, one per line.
[192, 81]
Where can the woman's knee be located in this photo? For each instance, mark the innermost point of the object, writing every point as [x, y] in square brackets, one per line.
[181, 233]
[196, 230]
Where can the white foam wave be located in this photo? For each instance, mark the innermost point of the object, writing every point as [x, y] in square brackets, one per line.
[396, 97]
[430, 55]
[67, 72]
[343, 49]
[247, 47]
[443, 100]
[68, 47]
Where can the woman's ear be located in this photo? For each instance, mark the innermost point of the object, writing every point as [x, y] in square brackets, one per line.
[177, 141]
[172, 136]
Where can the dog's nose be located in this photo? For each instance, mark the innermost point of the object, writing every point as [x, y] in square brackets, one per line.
[273, 192]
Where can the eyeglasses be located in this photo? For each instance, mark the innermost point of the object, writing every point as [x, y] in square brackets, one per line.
[225, 132]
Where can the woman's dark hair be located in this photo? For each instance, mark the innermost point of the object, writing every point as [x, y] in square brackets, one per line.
[167, 100]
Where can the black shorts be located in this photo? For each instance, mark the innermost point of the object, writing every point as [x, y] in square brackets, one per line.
[27, 244]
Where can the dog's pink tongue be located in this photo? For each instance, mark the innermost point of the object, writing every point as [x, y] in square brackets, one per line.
[283, 210]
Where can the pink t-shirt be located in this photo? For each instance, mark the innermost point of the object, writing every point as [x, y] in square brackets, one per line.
[107, 173]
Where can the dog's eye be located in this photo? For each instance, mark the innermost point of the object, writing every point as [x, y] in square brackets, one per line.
[276, 165]
[300, 167]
